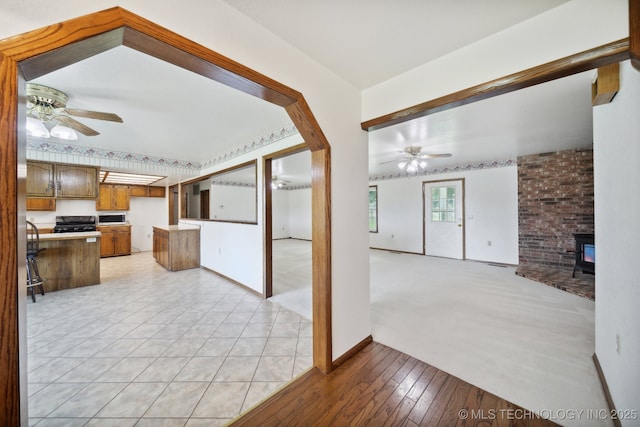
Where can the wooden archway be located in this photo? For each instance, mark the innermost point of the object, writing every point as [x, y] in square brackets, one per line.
[38, 52]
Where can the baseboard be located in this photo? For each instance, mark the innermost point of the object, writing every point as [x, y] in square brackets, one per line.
[235, 282]
[351, 352]
[607, 393]
[396, 251]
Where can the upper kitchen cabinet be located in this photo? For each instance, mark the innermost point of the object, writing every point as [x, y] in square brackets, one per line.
[76, 182]
[40, 179]
[113, 197]
[61, 181]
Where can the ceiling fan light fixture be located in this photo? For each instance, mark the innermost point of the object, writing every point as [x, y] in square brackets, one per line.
[64, 132]
[36, 128]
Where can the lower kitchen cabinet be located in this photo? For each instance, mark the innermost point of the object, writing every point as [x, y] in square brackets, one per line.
[115, 241]
[177, 247]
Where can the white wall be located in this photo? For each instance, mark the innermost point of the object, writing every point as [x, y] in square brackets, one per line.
[617, 230]
[300, 213]
[143, 214]
[491, 213]
[280, 214]
[233, 203]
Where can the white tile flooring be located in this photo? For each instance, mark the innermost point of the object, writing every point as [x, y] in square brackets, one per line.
[521, 340]
[149, 347]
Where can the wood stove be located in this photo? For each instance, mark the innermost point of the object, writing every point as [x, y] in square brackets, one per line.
[585, 254]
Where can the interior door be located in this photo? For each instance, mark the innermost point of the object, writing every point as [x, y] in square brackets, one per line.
[444, 218]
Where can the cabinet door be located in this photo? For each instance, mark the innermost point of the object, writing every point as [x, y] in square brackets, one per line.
[76, 182]
[156, 191]
[120, 200]
[122, 242]
[107, 242]
[104, 198]
[40, 179]
[35, 204]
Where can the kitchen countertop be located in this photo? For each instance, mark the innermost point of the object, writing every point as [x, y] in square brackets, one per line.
[70, 236]
[178, 227]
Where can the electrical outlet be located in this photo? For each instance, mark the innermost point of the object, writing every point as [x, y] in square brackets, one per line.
[488, 242]
[392, 236]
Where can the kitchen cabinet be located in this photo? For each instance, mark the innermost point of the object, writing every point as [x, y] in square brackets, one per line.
[146, 191]
[76, 182]
[70, 260]
[41, 204]
[157, 191]
[177, 247]
[40, 178]
[115, 241]
[113, 197]
[61, 181]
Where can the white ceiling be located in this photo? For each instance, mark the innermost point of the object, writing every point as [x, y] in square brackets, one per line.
[369, 41]
[173, 113]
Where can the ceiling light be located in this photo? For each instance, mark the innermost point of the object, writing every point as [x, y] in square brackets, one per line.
[413, 165]
[64, 132]
[36, 128]
[110, 177]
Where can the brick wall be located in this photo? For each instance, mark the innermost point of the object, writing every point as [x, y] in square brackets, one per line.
[555, 200]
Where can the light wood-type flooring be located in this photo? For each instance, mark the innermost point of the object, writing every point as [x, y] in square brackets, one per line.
[381, 386]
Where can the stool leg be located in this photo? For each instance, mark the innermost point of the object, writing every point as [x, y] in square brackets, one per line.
[38, 278]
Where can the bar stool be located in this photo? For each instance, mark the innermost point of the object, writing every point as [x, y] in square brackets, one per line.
[33, 249]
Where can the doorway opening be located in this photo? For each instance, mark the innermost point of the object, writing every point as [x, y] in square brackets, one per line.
[37, 53]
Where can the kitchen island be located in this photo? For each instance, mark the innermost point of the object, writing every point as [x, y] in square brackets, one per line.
[177, 247]
[69, 260]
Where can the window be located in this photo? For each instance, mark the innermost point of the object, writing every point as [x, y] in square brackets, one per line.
[443, 204]
[373, 209]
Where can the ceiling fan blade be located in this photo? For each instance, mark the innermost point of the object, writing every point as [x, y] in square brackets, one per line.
[75, 125]
[390, 161]
[93, 115]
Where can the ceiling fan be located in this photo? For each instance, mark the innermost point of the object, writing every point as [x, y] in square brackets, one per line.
[49, 105]
[413, 160]
[277, 184]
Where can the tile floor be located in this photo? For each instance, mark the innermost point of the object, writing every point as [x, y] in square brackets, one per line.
[149, 347]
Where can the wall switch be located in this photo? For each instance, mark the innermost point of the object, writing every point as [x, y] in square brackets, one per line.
[488, 242]
[618, 343]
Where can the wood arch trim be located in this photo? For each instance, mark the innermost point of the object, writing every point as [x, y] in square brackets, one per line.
[30, 55]
[593, 58]
[634, 32]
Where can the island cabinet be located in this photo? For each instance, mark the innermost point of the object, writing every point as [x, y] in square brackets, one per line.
[69, 260]
[116, 240]
[177, 247]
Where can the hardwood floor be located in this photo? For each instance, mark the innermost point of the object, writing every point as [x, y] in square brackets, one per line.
[381, 386]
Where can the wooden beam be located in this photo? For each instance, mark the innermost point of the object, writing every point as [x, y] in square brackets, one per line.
[321, 253]
[592, 58]
[606, 85]
[634, 32]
